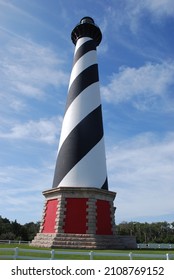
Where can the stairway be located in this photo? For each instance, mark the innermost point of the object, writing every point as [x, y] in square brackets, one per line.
[83, 241]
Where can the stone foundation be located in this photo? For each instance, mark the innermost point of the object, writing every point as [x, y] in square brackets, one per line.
[84, 241]
[82, 218]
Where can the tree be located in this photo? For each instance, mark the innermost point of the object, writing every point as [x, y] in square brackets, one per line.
[14, 230]
[31, 229]
[160, 232]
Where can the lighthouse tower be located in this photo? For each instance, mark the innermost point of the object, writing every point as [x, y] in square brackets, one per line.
[79, 208]
[81, 160]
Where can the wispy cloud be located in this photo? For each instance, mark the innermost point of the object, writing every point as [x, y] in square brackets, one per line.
[43, 130]
[141, 171]
[143, 86]
[133, 10]
[29, 68]
[158, 7]
[22, 188]
[13, 11]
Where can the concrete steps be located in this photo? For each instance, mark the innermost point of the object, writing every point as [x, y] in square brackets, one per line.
[84, 241]
[43, 240]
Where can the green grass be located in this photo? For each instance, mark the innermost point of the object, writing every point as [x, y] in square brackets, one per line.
[79, 257]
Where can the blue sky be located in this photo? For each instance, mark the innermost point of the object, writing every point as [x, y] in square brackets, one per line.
[136, 67]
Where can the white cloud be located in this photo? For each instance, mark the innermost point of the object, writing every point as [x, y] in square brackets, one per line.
[142, 86]
[43, 130]
[131, 12]
[28, 68]
[141, 171]
[22, 191]
[159, 7]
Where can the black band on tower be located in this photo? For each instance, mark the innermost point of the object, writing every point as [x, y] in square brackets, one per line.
[86, 47]
[79, 142]
[84, 79]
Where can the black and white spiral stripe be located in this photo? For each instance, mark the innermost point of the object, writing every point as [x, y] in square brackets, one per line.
[81, 158]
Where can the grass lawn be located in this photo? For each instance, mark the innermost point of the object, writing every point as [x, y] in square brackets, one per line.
[81, 257]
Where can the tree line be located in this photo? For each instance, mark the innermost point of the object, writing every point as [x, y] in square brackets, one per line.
[15, 231]
[159, 232]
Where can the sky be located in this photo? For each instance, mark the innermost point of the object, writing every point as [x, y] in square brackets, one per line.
[136, 69]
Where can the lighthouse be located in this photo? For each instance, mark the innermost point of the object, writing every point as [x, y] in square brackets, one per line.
[81, 160]
[79, 209]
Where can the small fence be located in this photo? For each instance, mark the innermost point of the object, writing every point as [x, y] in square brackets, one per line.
[14, 242]
[155, 246]
[139, 246]
[16, 253]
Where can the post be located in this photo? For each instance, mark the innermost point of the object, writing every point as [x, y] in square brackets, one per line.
[52, 254]
[16, 251]
[91, 255]
[130, 256]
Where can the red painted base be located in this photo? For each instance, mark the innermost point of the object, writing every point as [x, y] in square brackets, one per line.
[76, 215]
[82, 218]
[103, 220]
[50, 216]
[79, 211]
